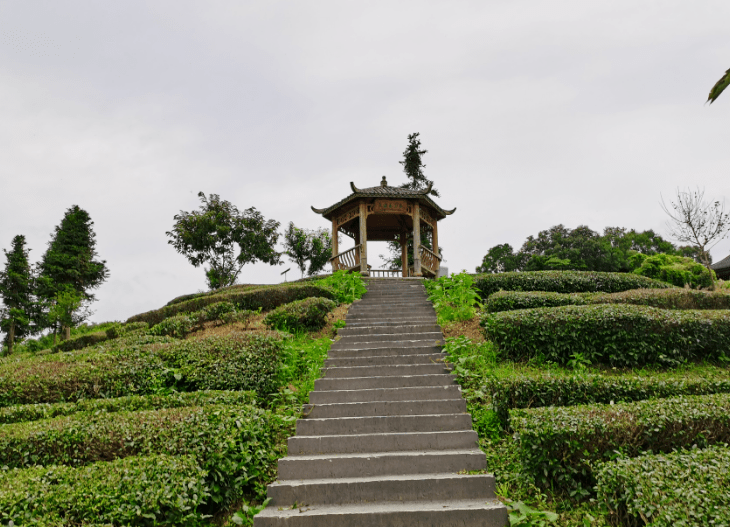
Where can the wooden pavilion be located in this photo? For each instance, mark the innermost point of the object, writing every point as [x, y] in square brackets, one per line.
[386, 213]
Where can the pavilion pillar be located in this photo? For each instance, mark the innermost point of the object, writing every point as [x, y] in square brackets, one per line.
[416, 239]
[335, 245]
[436, 245]
[404, 253]
[363, 239]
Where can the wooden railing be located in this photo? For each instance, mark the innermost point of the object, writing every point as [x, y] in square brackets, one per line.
[429, 259]
[385, 273]
[347, 260]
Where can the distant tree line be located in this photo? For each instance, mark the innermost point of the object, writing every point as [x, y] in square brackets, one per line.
[583, 249]
[55, 293]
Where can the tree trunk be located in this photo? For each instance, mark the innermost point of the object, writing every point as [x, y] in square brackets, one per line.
[11, 337]
[66, 332]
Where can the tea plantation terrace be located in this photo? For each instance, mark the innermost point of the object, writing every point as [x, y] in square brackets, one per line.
[386, 439]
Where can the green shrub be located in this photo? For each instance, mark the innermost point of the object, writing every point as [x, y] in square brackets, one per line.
[144, 364]
[239, 317]
[81, 342]
[151, 490]
[34, 412]
[346, 286]
[454, 298]
[563, 282]
[266, 298]
[534, 389]
[303, 315]
[238, 445]
[675, 270]
[559, 446]
[663, 298]
[215, 312]
[617, 335]
[688, 488]
[118, 330]
[179, 326]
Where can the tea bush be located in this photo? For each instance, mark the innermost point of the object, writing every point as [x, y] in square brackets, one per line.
[34, 412]
[237, 445]
[152, 490]
[81, 342]
[559, 446]
[303, 315]
[540, 388]
[663, 298]
[563, 282]
[675, 270]
[617, 335]
[179, 326]
[266, 298]
[689, 488]
[119, 330]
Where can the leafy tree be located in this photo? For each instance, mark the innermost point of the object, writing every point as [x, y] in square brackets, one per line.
[413, 165]
[67, 310]
[501, 259]
[696, 222]
[70, 263]
[719, 87]
[676, 270]
[16, 290]
[302, 246]
[225, 238]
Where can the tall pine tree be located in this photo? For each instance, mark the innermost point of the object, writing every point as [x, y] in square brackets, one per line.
[70, 263]
[16, 290]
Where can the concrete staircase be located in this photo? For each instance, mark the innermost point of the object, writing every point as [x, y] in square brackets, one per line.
[386, 434]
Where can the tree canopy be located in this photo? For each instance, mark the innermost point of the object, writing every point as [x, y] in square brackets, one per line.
[16, 291]
[413, 165]
[219, 235]
[303, 245]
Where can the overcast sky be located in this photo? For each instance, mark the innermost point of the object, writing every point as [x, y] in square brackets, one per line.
[533, 113]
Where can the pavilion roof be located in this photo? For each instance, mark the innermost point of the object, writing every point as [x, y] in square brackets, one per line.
[385, 191]
[722, 264]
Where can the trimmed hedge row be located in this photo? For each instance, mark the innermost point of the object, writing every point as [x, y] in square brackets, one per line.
[563, 282]
[303, 315]
[538, 389]
[688, 488]
[153, 490]
[662, 298]
[90, 339]
[238, 445]
[266, 298]
[559, 446]
[617, 335]
[132, 403]
[145, 364]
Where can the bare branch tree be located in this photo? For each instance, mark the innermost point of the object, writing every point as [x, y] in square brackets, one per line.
[697, 222]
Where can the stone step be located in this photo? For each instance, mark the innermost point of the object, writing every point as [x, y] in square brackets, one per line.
[393, 308]
[380, 464]
[373, 322]
[383, 424]
[388, 370]
[384, 351]
[368, 383]
[402, 341]
[446, 391]
[389, 330]
[372, 408]
[420, 487]
[382, 442]
[424, 358]
[441, 513]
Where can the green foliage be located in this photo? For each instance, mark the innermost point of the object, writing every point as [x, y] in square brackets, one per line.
[413, 165]
[151, 490]
[237, 445]
[674, 298]
[225, 238]
[559, 446]
[302, 315]
[689, 488]
[118, 330]
[16, 292]
[563, 282]
[34, 412]
[675, 270]
[346, 286]
[501, 259]
[454, 298]
[144, 364]
[616, 335]
[178, 326]
[81, 342]
[719, 87]
[521, 515]
[533, 388]
[302, 246]
[265, 298]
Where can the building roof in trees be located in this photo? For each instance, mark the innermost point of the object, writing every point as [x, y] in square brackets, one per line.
[722, 264]
[385, 191]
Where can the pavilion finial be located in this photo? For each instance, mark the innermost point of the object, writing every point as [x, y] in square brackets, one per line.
[384, 182]
[319, 211]
[353, 187]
